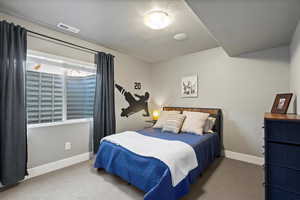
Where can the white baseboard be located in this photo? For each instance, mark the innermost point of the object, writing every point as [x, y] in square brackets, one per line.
[244, 157]
[53, 166]
[49, 167]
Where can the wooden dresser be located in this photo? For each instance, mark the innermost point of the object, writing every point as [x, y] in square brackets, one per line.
[282, 157]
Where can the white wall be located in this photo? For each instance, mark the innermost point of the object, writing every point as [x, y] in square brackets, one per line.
[127, 71]
[243, 87]
[295, 66]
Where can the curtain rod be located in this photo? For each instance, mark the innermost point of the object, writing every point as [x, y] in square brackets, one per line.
[59, 40]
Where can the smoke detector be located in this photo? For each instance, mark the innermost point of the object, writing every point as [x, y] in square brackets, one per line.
[68, 28]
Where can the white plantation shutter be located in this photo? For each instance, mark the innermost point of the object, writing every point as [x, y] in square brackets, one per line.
[80, 96]
[44, 97]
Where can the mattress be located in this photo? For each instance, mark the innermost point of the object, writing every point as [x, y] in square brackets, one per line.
[150, 174]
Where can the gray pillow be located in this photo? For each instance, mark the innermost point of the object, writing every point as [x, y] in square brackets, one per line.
[174, 123]
[163, 118]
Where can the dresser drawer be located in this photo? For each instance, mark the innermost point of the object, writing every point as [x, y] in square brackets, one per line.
[279, 131]
[283, 155]
[285, 178]
[277, 194]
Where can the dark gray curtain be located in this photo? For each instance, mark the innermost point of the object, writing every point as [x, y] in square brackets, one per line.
[13, 123]
[104, 105]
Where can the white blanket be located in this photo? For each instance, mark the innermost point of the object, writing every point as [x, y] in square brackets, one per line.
[178, 156]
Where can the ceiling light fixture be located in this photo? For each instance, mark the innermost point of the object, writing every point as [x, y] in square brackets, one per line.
[157, 19]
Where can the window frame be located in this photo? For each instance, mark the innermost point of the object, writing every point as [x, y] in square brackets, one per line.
[66, 63]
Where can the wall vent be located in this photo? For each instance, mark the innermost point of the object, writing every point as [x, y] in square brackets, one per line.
[68, 28]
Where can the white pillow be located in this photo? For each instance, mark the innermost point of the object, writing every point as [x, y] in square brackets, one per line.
[174, 123]
[194, 122]
[163, 118]
[209, 124]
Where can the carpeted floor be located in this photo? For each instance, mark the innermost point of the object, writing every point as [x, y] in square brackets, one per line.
[225, 180]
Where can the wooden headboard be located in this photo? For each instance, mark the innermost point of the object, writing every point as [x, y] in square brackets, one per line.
[214, 112]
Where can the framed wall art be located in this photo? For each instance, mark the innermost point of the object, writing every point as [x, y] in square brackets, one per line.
[189, 86]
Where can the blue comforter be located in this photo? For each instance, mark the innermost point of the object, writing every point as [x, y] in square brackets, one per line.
[152, 175]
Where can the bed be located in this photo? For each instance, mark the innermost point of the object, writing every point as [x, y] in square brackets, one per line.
[154, 176]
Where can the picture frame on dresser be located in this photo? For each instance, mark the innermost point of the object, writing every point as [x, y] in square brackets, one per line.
[281, 103]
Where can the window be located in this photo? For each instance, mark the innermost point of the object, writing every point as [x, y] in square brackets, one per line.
[58, 90]
[80, 96]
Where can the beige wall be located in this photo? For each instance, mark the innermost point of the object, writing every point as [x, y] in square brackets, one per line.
[243, 87]
[295, 66]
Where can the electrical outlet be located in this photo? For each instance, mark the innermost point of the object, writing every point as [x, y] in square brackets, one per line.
[68, 145]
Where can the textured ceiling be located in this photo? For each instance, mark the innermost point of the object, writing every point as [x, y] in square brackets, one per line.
[118, 24]
[242, 26]
[239, 26]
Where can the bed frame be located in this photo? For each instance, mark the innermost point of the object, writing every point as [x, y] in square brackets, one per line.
[214, 112]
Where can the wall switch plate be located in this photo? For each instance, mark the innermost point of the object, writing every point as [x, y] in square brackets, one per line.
[68, 145]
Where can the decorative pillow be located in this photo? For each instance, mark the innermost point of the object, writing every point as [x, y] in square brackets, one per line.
[174, 123]
[163, 118]
[209, 124]
[194, 122]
